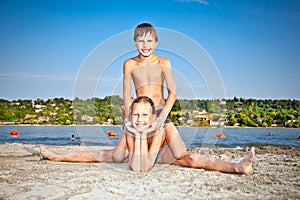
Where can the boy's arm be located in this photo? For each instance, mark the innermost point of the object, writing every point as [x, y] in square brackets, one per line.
[126, 87]
[171, 87]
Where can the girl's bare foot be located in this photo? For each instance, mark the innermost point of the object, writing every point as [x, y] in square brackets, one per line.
[245, 165]
[47, 154]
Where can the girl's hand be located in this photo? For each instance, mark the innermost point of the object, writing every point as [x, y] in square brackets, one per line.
[151, 129]
[130, 128]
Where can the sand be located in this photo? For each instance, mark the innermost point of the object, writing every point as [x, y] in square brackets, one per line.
[25, 175]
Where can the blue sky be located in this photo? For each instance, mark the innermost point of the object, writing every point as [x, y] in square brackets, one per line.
[254, 44]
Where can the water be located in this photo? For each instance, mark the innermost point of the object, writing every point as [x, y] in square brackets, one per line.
[193, 137]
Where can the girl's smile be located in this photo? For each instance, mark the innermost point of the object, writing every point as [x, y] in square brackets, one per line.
[141, 116]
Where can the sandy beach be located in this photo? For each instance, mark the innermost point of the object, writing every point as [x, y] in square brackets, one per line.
[26, 175]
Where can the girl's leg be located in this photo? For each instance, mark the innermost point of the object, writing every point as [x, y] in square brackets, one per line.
[199, 161]
[175, 142]
[117, 154]
[86, 156]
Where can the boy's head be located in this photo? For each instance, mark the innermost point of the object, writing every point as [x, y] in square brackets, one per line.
[144, 29]
[142, 113]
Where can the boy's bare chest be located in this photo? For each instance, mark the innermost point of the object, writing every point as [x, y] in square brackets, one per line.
[147, 74]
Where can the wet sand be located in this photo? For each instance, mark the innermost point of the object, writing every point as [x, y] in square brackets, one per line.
[26, 175]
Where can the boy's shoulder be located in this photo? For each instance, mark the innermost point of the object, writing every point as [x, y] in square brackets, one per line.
[158, 59]
[163, 60]
[129, 61]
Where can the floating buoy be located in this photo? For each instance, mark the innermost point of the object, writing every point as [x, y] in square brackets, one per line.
[221, 135]
[14, 132]
[111, 134]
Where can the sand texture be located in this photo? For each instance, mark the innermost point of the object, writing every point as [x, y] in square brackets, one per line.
[24, 174]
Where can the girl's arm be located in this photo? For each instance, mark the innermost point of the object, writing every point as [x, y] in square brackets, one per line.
[120, 151]
[148, 155]
[141, 157]
[133, 144]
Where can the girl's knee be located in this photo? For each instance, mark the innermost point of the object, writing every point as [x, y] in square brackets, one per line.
[192, 160]
[180, 155]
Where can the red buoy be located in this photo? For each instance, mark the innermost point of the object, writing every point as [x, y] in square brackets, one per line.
[221, 135]
[14, 132]
[111, 134]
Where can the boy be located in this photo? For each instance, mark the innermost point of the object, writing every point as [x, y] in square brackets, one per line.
[148, 73]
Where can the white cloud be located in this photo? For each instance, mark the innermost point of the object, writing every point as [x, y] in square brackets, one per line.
[204, 2]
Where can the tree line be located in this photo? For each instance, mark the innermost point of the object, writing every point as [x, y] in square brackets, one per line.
[108, 111]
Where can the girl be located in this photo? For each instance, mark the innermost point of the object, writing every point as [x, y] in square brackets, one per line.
[142, 145]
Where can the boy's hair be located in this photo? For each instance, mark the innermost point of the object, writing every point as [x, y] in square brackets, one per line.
[143, 99]
[143, 29]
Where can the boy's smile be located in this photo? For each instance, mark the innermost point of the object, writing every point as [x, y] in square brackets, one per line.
[146, 44]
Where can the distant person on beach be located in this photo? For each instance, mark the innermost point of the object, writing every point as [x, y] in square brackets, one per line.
[142, 146]
[73, 137]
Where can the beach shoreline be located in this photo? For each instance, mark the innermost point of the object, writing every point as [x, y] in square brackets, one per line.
[26, 175]
[111, 125]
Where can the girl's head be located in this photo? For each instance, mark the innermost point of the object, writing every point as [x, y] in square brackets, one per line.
[142, 113]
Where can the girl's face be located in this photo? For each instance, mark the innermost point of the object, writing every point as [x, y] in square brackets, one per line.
[145, 44]
[141, 116]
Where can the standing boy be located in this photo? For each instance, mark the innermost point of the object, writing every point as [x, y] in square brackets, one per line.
[149, 72]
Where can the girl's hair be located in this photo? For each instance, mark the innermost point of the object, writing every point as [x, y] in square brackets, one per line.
[142, 99]
[143, 29]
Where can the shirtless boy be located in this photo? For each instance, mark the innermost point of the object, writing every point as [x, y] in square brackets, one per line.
[149, 72]
[144, 146]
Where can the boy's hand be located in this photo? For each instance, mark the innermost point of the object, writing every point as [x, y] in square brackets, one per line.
[159, 123]
[124, 124]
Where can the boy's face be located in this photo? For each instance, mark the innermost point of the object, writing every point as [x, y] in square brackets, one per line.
[141, 116]
[145, 44]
